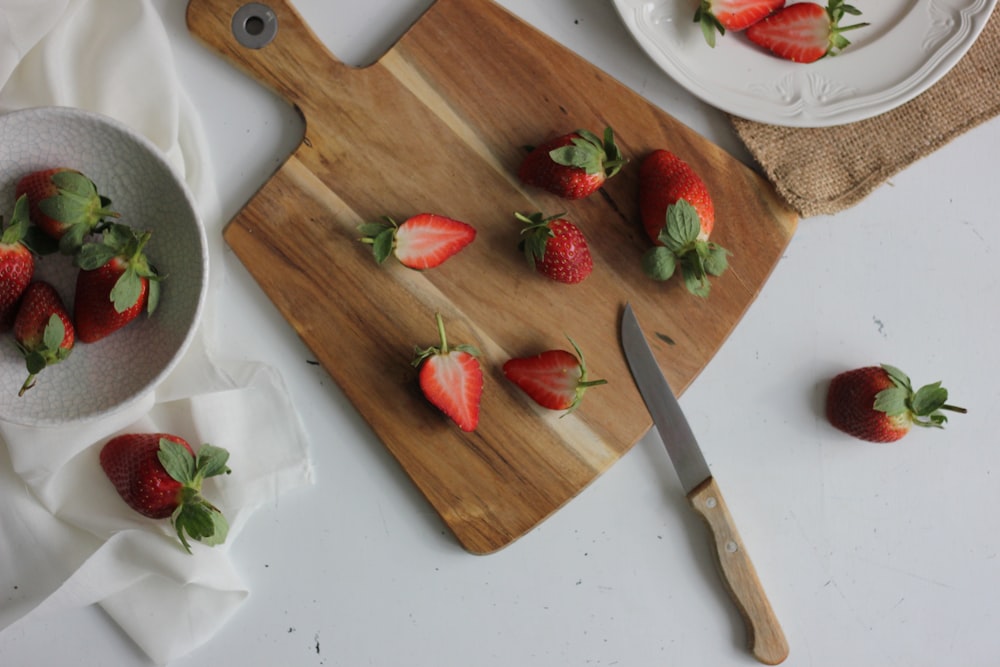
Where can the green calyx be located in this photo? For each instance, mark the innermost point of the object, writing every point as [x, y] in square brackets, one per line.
[710, 25]
[583, 383]
[589, 152]
[17, 230]
[122, 243]
[923, 407]
[78, 206]
[381, 236]
[49, 350]
[195, 517]
[420, 354]
[835, 11]
[535, 235]
[697, 258]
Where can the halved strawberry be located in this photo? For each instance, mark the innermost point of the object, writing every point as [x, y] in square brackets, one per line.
[806, 31]
[421, 242]
[555, 379]
[451, 379]
[735, 15]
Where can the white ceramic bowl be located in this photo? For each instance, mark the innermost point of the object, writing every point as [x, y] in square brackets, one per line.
[103, 377]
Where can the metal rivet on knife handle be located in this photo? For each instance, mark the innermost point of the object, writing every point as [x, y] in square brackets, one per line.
[255, 25]
[764, 635]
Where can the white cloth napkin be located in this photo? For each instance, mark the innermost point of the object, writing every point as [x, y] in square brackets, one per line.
[66, 538]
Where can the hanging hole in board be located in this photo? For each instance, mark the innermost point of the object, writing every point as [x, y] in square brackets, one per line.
[255, 25]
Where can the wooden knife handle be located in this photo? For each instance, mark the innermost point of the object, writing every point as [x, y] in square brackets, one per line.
[764, 635]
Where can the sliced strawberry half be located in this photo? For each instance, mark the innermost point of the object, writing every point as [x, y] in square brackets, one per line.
[555, 379]
[451, 379]
[718, 16]
[806, 31]
[421, 242]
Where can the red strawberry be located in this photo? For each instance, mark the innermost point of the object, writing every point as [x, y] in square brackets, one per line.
[806, 31]
[43, 330]
[572, 166]
[556, 248]
[421, 242]
[17, 263]
[735, 15]
[451, 379]
[159, 476]
[678, 216]
[878, 404]
[115, 282]
[555, 379]
[65, 204]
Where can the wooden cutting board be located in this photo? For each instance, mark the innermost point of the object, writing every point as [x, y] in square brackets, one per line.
[438, 125]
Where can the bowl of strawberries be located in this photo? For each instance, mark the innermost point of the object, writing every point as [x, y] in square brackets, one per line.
[103, 266]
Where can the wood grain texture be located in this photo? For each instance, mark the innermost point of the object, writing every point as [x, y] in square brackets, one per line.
[438, 125]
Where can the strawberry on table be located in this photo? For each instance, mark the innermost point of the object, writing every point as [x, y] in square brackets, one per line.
[159, 476]
[805, 31]
[65, 204]
[555, 379]
[451, 379]
[421, 242]
[555, 248]
[574, 165]
[17, 263]
[43, 330]
[678, 215]
[114, 284]
[878, 404]
[718, 16]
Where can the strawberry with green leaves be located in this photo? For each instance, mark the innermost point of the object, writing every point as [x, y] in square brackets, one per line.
[878, 404]
[43, 330]
[17, 263]
[65, 204]
[114, 284]
[574, 165]
[555, 248]
[159, 476]
[719, 16]
[804, 32]
[451, 379]
[678, 215]
[421, 242]
[555, 379]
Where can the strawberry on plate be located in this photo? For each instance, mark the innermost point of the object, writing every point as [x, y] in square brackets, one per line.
[114, 284]
[878, 404]
[555, 379]
[678, 215]
[17, 263]
[421, 242]
[718, 16]
[43, 330]
[574, 165]
[451, 379]
[159, 476]
[805, 31]
[555, 248]
[65, 204]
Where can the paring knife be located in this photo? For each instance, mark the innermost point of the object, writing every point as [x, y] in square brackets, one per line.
[764, 635]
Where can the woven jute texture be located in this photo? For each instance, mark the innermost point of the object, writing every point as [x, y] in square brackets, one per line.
[820, 171]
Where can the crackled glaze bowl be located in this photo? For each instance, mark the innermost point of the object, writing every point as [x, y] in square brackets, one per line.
[101, 378]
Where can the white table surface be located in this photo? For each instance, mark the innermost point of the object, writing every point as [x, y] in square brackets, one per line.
[872, 555]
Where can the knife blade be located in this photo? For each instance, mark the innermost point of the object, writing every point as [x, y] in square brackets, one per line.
[765, 638]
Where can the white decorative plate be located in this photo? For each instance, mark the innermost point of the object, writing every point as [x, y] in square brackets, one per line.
[103, 377]
[907, 47]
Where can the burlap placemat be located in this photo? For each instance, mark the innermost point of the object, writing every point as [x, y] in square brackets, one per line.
[825, 170]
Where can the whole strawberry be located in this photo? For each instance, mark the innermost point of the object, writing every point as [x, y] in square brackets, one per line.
[574, 165]
[65, 205]
[555, 247]
[159, 476]
[718, 16]
[451, 379]
[421, 242]
[555, 379]
[878, 404]
[17, 263]
[43, 330]
[804, 32]
[115, 282]
[678, 215]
